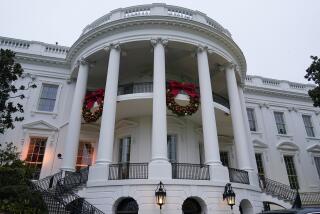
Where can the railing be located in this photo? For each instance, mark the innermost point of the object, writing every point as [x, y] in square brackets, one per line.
[238, 176]
[128, 171]
[147, 87]
[190, 171]
[57, 192]
[156, 9]
[310, 198]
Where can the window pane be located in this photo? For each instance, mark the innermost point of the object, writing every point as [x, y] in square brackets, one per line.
[48, 97]
[201, 153]
[308, 125]
[35, 154]
[224, 157]
[124, 150]
[251, 119]
[172, 148]
[260, 165]
[317, 163]
[279, 118]
[291, 171]
[85, 155]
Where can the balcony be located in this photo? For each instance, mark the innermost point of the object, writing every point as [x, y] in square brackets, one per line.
[190, 171]
[147, 87]
[123, 171]
[238, 176]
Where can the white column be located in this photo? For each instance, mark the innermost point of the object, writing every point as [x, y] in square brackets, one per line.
[210, 136]
[238, 123]
[99, 172]
[254, 172]
[159, 167]
[72, 140]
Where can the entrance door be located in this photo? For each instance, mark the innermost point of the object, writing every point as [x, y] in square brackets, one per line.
[191, 206]
[127, 206]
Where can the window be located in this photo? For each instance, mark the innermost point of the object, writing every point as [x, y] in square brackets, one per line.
[281, 126]
[224, 157]
[85, 154]
[308, 125]
[48, 97]
[317, 163]
[172, 148]
[291, 171]
[260, 165]
[201, 153]
[252, 119]
[124, 157]
[35, 154]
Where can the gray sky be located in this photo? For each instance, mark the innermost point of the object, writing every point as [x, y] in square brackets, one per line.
[276, 36]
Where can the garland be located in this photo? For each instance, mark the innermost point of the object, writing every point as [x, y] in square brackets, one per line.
[89, 101]
[174, 89]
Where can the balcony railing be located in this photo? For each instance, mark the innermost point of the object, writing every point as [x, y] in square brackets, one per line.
[238, 176]
[128, 171]
[190, 171]
[147, 87]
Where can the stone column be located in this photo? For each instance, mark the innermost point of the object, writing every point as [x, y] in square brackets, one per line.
[159, 167]
[100, 172]
[252, 173]
[238, 123]
[72, 139]
[210, 136]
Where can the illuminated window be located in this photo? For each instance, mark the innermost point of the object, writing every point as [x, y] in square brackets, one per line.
[48, 97]
[35, 154]
[85, 154]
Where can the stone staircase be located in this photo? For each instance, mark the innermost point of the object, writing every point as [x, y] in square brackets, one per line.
[286, 194]
[58, 193]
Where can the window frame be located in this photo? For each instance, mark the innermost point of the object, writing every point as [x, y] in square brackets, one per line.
[284, 122]
[254, 119]
[177, 142]
[312, 125]
[38, 97]
[293, 155]
[228, 158]
[262, 162]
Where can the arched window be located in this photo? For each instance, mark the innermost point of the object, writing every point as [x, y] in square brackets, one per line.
[127, 206]
[191, 206]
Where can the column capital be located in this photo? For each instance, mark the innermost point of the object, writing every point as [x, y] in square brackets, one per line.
[82, 61]
[229, 65]
[155, 41]
[201, 48]
[114, 45]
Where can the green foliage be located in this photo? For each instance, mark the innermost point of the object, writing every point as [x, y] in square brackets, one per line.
[313, 74]
[10, 71]
[15, 194]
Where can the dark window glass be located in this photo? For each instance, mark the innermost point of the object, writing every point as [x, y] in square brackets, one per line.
[260, 165]
[224, 157]
[291, 171]
[251, 119]
[281, 126]
[308, 125]
[48, 97]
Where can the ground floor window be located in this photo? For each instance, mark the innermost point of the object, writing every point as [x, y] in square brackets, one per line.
[35, 154]
[127, 206]
[317, 163]
[191, 206]
[291, 171]
[85, 155]
[224, 157]
[260, 168]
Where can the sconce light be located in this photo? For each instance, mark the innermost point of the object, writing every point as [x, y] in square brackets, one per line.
[59, 156]
[160, 195]
[229, 195]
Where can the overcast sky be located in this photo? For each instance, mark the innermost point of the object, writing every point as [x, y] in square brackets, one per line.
[276, 36]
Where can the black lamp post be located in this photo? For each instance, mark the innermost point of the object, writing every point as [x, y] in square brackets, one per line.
[160, 195]
[229, 195]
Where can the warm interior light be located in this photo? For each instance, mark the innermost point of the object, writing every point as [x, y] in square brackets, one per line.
[229, 195]
[160, 195]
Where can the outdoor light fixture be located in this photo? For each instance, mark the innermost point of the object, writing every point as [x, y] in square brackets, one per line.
[59, 156]
[160, 194]
[229, 195]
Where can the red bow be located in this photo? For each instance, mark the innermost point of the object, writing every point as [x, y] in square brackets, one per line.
[189, 88]
[95, 96]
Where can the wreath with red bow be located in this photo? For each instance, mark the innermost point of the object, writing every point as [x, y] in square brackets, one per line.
[173, 89]
[89, 113]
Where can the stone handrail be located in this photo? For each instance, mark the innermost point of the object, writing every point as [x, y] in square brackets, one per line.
[156, 9]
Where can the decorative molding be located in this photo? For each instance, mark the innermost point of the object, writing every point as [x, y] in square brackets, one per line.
[41, 125]
[126, 124]
[259, 145]
[264, 105]
[155, 41]
[287, 146]
[290, 109]
[201, 48]
[314, 148]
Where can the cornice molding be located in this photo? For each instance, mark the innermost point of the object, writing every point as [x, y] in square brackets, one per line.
[41, 59]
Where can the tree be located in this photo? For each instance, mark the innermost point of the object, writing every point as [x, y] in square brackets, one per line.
[10, 71]
[16, 196]
[313, 74]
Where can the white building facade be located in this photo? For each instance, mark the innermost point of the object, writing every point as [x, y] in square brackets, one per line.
[242, 125]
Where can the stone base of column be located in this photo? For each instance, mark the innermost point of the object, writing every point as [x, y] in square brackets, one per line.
[253, 178]
[219, 173]
[160, 169]
[98, 174]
